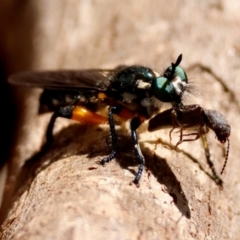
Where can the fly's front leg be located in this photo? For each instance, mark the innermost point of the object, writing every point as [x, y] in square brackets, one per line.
[134, 124]
[111, 111]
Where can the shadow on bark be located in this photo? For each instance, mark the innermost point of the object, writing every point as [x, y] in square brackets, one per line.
[63, 142]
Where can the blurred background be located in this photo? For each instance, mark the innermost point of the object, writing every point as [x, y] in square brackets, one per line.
[40, 35]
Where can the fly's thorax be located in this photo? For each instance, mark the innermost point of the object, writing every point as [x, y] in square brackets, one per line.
[148, 106]
[131, 87]
[133, 79]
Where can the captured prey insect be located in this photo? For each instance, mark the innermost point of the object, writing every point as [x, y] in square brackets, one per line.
[197, 118]
[131, 92]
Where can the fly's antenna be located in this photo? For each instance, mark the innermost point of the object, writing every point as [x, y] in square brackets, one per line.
[178, 61]
[226, 157]
[174, 65]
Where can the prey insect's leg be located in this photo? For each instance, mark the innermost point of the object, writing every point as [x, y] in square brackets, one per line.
[112, 155]
[135, 123]
[226, 156]
[218, 180]
[174, 123]
[181, 140]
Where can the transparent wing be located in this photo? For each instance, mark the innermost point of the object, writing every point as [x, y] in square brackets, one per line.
[90, 79]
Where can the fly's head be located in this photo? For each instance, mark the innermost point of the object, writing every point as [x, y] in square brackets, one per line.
[171, 86]
[142, 87]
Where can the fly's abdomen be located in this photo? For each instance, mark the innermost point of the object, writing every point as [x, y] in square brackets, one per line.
[54, 99]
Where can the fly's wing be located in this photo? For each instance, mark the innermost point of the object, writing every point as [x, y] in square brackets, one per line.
[88, 80]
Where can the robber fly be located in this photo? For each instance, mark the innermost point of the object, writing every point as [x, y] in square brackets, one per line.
[130, 92]
[197, 118]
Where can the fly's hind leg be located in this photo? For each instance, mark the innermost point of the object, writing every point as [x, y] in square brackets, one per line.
[113, 154]
[49, 132]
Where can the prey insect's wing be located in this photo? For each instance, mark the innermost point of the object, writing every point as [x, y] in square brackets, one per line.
[88, 80]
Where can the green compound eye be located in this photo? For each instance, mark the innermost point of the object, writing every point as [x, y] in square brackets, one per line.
[163, 89]
[179, 72]
[170, 86]
[182, 74]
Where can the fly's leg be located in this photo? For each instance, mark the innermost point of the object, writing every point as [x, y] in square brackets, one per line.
[218, 180]
[84, 115]
[49, 132]
[134, 124]
[65, 112]
[112, 155]
[77, 113]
